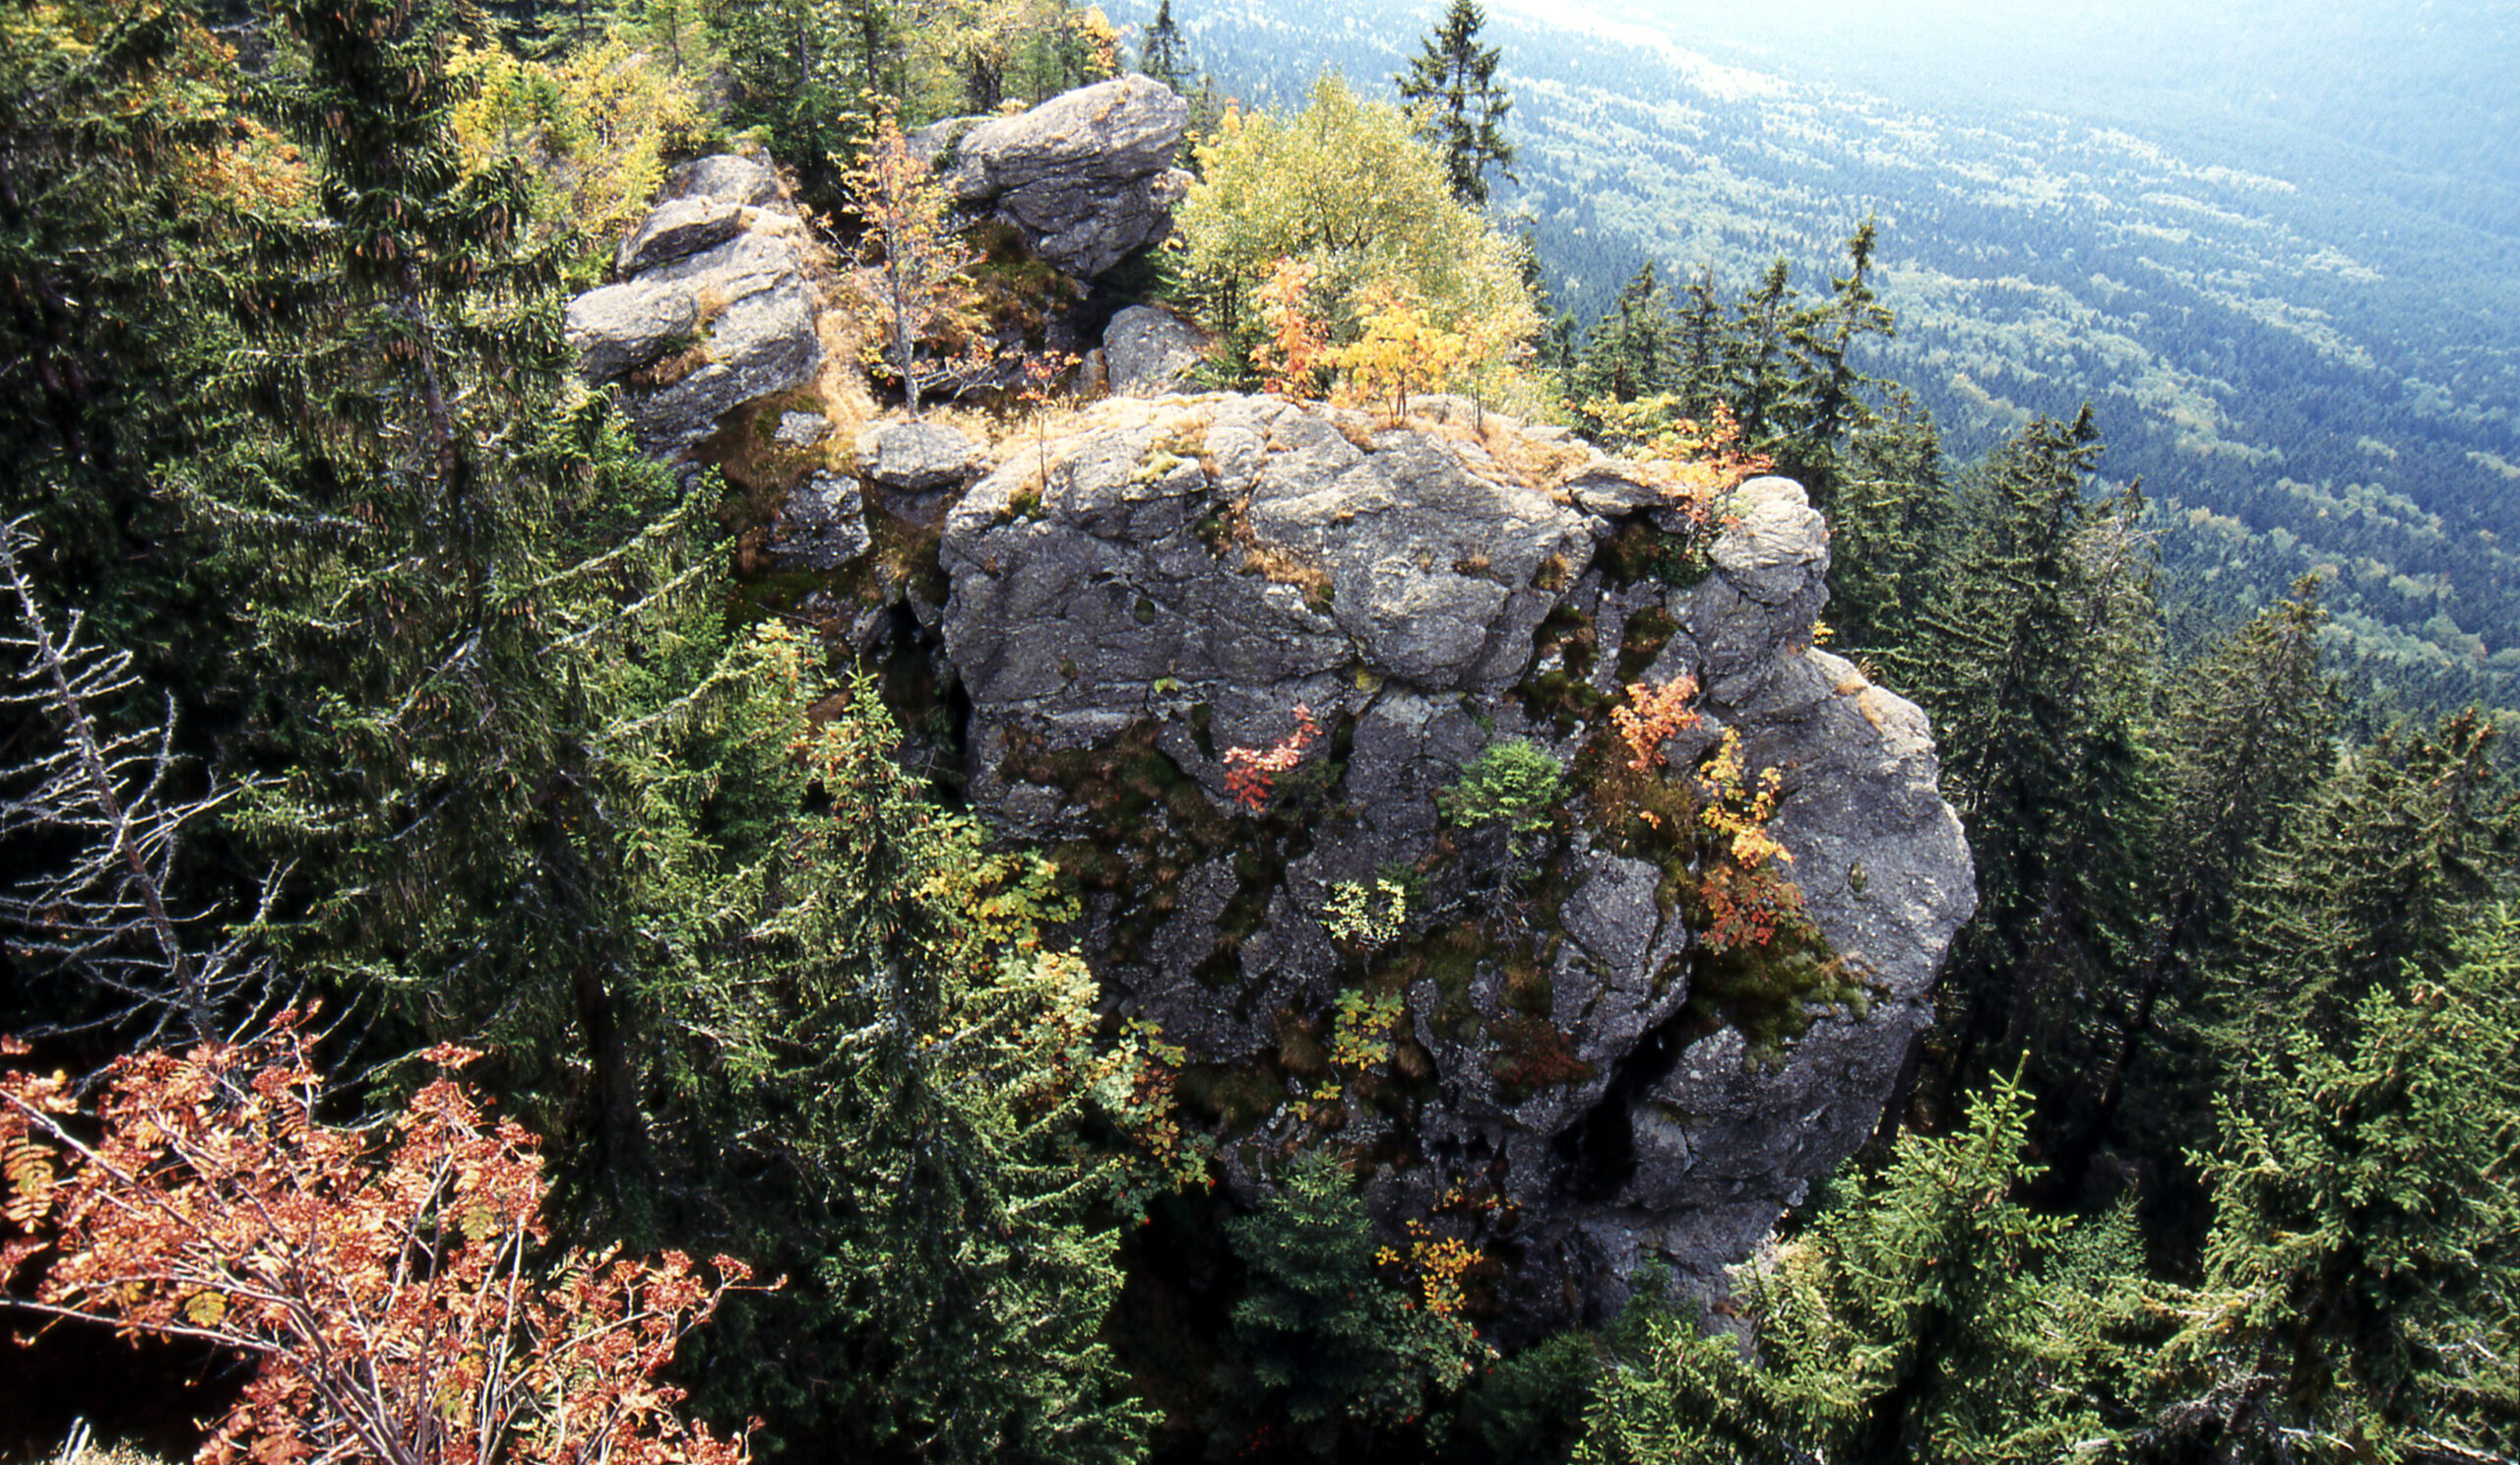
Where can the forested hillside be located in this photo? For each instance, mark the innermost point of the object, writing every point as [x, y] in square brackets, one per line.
[2302, 344]
[966, 732]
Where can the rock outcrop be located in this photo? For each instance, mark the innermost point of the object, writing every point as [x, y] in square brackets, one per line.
[1086, 178]
[714, 308]
[1551, 1025]
[1191, 570]
[1148, 352]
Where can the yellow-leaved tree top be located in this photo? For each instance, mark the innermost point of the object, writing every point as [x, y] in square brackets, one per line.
[1346, 189]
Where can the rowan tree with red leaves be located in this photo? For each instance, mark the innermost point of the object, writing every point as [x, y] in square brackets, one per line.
[1251, 775]
[393, 1293]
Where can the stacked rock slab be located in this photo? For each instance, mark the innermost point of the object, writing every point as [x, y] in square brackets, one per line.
[1198, 566]
[713, 309]
[1085, 178]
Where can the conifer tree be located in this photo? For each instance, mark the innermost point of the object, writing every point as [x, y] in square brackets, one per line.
[470, 598]
[2035, 659]
[120, 155]
[899, 1083]
[1630, 353]
[1929, 1315]
[1829, 402]
[2407, 837]
[1317, 1340]
[2246, 740]
[2361, 1281]
[1461, 106]
[1697, 366]
[1163, 55]
[1761, 380]
[1890, 515]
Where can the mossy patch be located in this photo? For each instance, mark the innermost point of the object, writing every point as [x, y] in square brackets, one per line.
[1642, 639]
[1641, 551]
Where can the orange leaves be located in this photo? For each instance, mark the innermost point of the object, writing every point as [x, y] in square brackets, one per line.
[1297, 347]
[390, 1291]
[1250, 775]
[1650, 718]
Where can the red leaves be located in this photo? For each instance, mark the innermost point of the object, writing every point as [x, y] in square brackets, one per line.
[1251, 776]
[1650, 718]
[390, 1291]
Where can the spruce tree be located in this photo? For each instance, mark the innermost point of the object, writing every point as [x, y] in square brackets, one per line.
[110, 244]
[2246, 739]
[474, 606]
[1890, 515]
[2035, 659]
[1762, 381]
[890, 1100]
[1830, 404]
[1630, 352]
[1163, 55]
[1461, 107]
[2361, 1289]
[1929, 1315]
[1317, 1340]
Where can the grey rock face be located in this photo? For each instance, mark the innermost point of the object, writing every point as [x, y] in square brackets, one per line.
[822, 526]
[1086, 177]
[620, 327]
[677, 227]
[801, 430]
[727, 178]
[714, 310]
[1189, 569]
[1149, 351]
[918, 457]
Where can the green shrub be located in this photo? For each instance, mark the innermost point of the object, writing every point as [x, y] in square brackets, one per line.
[1516, 781]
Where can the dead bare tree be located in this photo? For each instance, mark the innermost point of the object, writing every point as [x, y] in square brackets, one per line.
[108, 798]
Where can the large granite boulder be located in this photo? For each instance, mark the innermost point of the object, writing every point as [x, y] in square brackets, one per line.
[1148, 352]
[1174, 577]
[713, 309]
[1086, 178]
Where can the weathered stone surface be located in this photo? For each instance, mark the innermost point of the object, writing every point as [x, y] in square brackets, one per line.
[1086, 177]
[677, 227]
[822, 526]
[1149, 351]
[620, 327]
[763, 344]
[716, 300]
[727, 178]
[1196, 566]
[918, 457]
[801, 430]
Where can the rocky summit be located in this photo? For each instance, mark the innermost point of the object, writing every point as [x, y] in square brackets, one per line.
[1169, 581]
[1234, 660]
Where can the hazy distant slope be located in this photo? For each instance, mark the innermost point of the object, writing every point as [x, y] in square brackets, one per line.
[2303, 334]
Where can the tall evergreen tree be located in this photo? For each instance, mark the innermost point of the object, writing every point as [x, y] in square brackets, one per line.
[1629, 353]
[1699, 331]
[1890, 515]
[474, 606]
[2361, 1289]
[1830, 402]
[1461, 106]
[1930, 1316]
[1762, 380]
[1163, 55]
[2245, 740]
[891, 1102]
[2035, 659]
